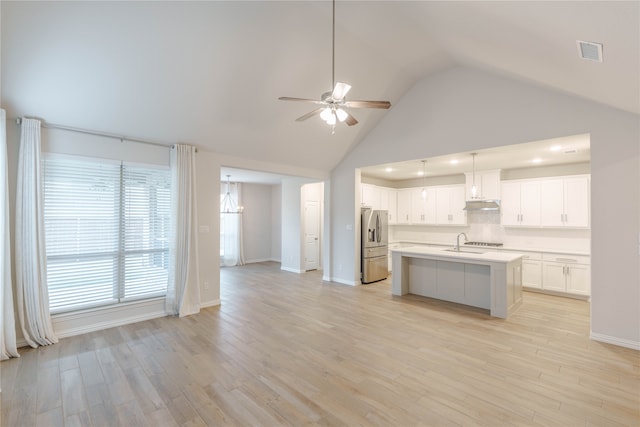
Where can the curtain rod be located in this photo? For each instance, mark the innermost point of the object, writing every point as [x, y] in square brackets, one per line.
[96, 133]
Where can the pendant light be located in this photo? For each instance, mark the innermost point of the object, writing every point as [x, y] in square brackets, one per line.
[228, 205]
[423, 193]
[474, 189]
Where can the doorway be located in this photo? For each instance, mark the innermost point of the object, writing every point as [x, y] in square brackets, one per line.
[311, 235]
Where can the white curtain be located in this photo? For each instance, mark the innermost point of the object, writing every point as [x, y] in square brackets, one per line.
[183, 291]
[231, 223]
[7, 320]
[31, 261]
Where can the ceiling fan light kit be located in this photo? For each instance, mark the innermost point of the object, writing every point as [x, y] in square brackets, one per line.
[333, 103]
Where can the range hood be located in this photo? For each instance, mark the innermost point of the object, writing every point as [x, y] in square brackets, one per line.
[482, 205]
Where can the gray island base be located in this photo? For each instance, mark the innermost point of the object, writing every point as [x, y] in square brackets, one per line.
[489, 280]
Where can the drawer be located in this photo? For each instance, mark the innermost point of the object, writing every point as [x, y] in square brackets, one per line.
[567, 259]
[537, 256]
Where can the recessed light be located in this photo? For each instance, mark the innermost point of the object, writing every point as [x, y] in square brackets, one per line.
[388, 169]
[555, 148]
[454, 161]
[420, 173]
[536, 160]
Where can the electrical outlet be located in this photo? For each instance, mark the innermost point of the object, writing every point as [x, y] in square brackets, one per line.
[206, 284]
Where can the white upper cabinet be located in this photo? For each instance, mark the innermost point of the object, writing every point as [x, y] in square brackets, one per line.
[443, 205]
[389, 202]
[487, 184]
[404, 206]
[450, 203]
[520, 204]
[371, 196]
[554, 202]
[383, 198]
[566, 202]
[423, 209]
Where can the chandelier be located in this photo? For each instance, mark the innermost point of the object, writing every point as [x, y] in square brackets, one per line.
[228, 205]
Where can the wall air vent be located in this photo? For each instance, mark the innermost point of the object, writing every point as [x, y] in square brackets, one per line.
[590, 51]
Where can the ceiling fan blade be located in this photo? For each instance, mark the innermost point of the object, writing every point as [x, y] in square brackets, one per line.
[368, 104]
[340, 91]
[350, 120]
[310, 114]
[312, 101]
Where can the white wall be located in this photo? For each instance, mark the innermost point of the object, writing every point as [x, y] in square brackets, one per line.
[257, 222]
[462, 110]
[276, 223]
[292, 225]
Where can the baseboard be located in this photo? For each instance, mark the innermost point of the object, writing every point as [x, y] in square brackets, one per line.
[211, 303]
[634, 345]
[292, 270]
[326, 278]
[255, 261]
[82, 322]
[345, 282]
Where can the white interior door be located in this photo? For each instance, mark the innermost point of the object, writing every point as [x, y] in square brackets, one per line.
[311, 235]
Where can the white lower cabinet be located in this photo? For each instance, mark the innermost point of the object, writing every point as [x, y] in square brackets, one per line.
[531, 268]
[567, 274]
[532, 273]
[544, 271]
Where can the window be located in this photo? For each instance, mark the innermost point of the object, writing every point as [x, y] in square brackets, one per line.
[106, 232]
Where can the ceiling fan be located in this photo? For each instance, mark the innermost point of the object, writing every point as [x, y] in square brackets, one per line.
[333, 103]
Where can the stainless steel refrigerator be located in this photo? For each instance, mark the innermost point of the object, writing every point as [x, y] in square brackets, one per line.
[374, 264]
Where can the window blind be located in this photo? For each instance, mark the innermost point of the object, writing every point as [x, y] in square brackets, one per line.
[106, 232]
[145, 231]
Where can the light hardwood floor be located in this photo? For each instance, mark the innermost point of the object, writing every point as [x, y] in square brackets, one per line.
[288, 349]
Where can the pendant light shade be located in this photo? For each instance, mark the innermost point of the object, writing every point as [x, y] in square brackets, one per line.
[474, 188]
[228, 205]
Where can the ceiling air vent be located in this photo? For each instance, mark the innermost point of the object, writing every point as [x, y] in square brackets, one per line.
[590, 51]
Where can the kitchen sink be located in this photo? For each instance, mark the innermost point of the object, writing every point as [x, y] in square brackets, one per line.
[463, 251]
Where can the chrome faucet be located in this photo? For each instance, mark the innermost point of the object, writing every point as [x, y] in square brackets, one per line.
[458, 240]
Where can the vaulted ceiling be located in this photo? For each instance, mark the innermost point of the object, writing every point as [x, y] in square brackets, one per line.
[210, 73]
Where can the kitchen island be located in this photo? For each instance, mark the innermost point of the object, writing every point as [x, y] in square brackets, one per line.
[489, 280]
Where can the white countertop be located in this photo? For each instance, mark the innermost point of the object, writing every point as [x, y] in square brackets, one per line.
[488, 256]
[506, 248]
